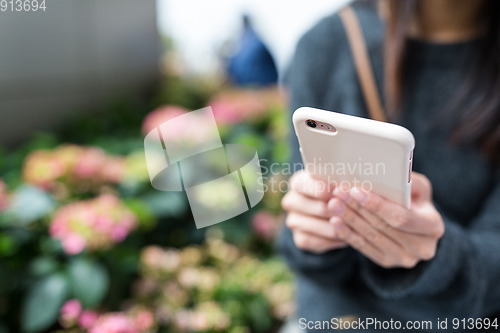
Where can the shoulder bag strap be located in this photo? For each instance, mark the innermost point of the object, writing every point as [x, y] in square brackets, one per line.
[362, 62]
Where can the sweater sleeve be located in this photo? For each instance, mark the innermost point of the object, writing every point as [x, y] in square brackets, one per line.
[306, 82]
[335, 265]
[465, 270]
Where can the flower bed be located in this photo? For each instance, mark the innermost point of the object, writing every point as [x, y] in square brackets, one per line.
[87, 245]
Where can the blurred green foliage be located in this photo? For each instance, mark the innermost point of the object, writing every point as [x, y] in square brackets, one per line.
[38, 274]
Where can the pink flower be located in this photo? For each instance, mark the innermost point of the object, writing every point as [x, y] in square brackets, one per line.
[73, 244]
[96, 223]
[114, 323]
[41, 169]
[200, 321]
[68, 155]
[72, 164]
[4, 199]
[104, 224]
[190, 132]
[87, 319]
[71, 310]
[119, 233]
[128, 220]
[237, 105]
[183, 319]
[133, 321]
[144, 320]
[152, 256]
[90, 163]
[161, 115]
[108, 200]
[113, 170]
[227, 112]
[265, 224]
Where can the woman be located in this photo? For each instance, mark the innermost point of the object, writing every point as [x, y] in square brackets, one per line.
[359, 255]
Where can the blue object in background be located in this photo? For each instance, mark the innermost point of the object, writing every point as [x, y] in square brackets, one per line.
[252, 64]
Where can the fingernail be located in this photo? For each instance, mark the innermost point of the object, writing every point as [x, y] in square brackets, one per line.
[359, 196]
[343, 195]
[336, 207]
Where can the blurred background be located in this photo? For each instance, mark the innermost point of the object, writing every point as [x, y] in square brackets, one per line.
[86, 244]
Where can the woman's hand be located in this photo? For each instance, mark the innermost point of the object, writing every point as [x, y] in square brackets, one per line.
[308, 215]
[386, 233]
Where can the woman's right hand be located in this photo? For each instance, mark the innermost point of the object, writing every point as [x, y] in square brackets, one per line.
[308, 215]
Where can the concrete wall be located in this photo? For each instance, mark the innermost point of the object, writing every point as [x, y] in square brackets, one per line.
[76, 55]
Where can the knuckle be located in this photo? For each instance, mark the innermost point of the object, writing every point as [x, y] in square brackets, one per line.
[320, 190]
[376, 204]
[358, 243]
[297, 180]
[386, 263]
[381, 225]
[427, 255]
[409, 261]
[323, 209]
[401, 219]
[286, 202]
[319, 250]
[331, 232]
[428, 252]
[291, 221]
[354, 205]
[372, 236]
[343, 233]
[426, 182]
[348, 217]
[440, 230]
[301, 241]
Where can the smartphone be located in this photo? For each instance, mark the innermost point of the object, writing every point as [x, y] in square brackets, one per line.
[350, 151]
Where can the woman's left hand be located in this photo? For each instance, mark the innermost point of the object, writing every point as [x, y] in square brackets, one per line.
[387, 233]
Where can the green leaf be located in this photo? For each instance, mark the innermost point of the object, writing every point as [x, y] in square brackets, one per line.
[8, 245]
[166, 204]
[41, 141]
[259, 314]
[143, 212]
[89, 281]
[29, 203]
[42, 303]
[42, 266]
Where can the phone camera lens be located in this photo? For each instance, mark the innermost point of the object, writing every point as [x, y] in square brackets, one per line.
[311, 123]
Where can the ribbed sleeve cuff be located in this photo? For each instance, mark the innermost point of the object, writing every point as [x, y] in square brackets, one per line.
[428, 277]
[307, 262]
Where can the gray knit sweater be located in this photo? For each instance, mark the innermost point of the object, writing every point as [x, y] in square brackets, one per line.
[463, 280]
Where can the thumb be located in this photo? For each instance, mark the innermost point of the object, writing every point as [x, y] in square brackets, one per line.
[421, 188]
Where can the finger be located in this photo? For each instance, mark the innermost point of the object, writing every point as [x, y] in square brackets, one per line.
[312, 225]
[401, 259]
[393, 214]
[421, 188]
[359, 224]
[369, 216]
[357, 242]
[411, 242]
[421, 246]
[306, 184]
[315, 244]
[299, 203]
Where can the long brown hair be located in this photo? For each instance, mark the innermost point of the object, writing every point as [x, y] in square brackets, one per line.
[479, 122]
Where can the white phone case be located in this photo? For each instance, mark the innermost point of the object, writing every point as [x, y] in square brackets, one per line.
[370, 154]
